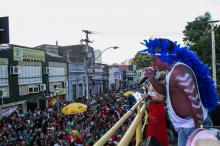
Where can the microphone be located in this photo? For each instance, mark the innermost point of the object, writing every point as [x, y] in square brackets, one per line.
[142, 81]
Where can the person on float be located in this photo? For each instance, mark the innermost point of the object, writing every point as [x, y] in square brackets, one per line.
[189, 89]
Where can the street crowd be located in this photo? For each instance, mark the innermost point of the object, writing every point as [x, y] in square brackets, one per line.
[51, 128]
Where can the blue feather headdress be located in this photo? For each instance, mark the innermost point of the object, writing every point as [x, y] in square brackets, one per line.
[171, 52]
[163, 48]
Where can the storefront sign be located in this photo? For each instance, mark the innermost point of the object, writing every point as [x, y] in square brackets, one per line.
[25, 54]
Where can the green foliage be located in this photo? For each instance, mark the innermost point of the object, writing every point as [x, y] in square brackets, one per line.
[198, 38]
[197, 35]
[141, 60]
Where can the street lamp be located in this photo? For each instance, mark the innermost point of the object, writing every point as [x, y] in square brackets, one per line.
[114, 47]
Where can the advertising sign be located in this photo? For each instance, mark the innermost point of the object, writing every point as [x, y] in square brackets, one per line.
[25, 54]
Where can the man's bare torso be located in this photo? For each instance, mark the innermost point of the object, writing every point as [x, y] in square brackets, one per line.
[183, 92]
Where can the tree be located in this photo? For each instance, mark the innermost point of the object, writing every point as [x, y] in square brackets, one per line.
[197, 35]
[198, 38]
[141, 60]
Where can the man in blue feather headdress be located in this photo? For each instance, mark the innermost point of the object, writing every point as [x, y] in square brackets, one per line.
[189, 88]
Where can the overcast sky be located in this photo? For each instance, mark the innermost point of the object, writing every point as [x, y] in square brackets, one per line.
[123, 23]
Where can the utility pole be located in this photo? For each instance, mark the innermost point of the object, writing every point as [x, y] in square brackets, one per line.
[87, 41]
[213, 51]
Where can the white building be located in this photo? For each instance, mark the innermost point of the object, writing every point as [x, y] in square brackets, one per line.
[97, 81]
[114, 77]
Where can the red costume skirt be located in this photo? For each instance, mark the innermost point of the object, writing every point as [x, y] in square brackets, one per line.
[157, 123]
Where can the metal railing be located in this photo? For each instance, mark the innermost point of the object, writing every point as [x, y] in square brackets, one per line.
[136, 126]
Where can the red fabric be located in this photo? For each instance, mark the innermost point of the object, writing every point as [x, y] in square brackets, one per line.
[68, 138]
[157, 123]
[78, 140]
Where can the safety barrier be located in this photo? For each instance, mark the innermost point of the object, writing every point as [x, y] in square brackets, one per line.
[136, 126]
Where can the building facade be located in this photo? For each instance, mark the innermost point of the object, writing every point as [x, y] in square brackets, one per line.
[115, 76]
[97, 81]
[57, 78]
[22, 77]
[81, 69]
[29, 76]
[54, 74]
[76, 80]
[105, 77]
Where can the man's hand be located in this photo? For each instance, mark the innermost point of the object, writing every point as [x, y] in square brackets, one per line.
[147, 97]
[143, 96]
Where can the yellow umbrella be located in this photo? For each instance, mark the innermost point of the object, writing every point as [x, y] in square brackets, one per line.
[74, 108]
[126, 94]
[75, 132]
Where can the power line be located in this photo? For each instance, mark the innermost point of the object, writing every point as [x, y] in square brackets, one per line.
[136, 33]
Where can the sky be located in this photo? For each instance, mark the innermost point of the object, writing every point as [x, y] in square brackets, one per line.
[122, 23]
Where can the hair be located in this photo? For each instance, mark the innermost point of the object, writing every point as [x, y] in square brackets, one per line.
[170, 52]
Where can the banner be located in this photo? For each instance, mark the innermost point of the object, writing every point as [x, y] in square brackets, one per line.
[25, 54]
[8, 111]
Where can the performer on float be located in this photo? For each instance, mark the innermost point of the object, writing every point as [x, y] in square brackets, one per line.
[189, 88]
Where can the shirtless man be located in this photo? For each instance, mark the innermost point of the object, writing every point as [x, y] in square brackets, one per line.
[185, 108]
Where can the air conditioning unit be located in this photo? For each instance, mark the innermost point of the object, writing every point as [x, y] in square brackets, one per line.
[46, 70]
[43, 87]
[3, 93]
[15, 70]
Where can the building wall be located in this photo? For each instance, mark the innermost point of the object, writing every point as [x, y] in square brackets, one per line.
[105, 78]
[74, 53]
[57, 78]
[31, 64]
[140, 74]
[76, 81]
[4, 85]
[78, 54]
[28, 62]
[114, 77]
[31, 74]
[76, 86]
[97, 81]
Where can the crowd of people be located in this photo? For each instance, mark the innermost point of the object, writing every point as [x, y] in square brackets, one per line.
[187, 90]
[49, 127]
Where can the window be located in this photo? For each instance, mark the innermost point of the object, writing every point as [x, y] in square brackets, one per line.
[33, 89]
[74, 91]
[80, 90]
[30, 90]
[56, 74]
[36, 89]
[139, 74]
[3, 75]
[30, 75]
